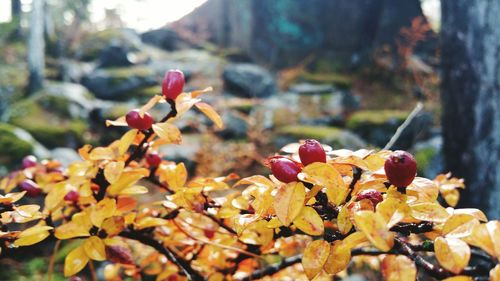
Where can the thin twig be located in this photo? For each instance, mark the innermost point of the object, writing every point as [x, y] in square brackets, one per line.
[405, 124]
[272, 269]
[183, 264]
[53, 260]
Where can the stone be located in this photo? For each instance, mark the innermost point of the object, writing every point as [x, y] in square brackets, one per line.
[65, 155]
[116, 56]
[309, 88]
[249, 81]
[235, 127]
[335, 137]
[119, 83]
[16, 143]
[165, 38]
[429, 157]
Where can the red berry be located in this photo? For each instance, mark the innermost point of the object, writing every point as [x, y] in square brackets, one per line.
[135, 121]
[153, 159]
[173, 83]
[371, 194]
[284, 169]
[32, 189]
[72, 196]
[209, 233]
[311, 151]
[29, 161]
[400, 168]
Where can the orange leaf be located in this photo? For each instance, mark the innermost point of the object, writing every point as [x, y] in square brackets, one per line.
[315, 256]
[397, 268]
[338, 259]
[289, 201]
[452, 253]
[375, 229]
[211, 114]
[309, 222]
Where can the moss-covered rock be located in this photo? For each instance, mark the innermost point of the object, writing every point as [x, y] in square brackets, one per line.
[12, 148]
[91, 44]
[122, 83]
[424, 158]
[49, 119]
[376, 126]
[332, 78]
[336, 137]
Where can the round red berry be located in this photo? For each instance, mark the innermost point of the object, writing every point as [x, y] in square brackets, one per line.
[153, 159]
[32, 189]
[134, 120]
[29, 161]
[371, 194]
[209, 233]
[311, 151]
[72, 196]
[173, 83]
[284, 169]
[400, 168]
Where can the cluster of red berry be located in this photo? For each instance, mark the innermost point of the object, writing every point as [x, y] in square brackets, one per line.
[400, 167]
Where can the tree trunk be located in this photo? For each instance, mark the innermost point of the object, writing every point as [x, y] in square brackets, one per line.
[36, 47]
[471, 99]
[16, 13]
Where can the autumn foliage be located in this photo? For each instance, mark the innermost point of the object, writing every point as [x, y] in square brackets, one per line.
[334, 208]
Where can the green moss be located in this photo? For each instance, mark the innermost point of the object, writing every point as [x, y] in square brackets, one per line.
[376, 126]
[48, 119]
[333, 78]
[12, 149]
[309, 132]
[90, 46]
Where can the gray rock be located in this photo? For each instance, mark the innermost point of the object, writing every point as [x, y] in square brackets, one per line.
[81, 101]
[249, 81]
[429, 156]
[184, 152]
[308, 88]
[234, 125]
[65, 155]
[115, 84]
[116, 56]
[164, 38]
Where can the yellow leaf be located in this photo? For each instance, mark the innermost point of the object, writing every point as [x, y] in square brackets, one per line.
[257, 180]
[338, 259]
[55, 197]
[398, 268]
[354, 240]
[459, 225]
[126, 140]
[478, 214]
[75, 261]
[495, 273]
[120, 121]
[103, 210]
[114, 225]
[102, 153]
[429, 212]
[480, 237]
[326, 175]
[309, 222]
[184, 102]
[344, 221]
[288, 201]
[33, 235]
[71, 230]
[257, 233]
[461, 278]
[94, 248]
[136, 189]
[174, 175]
[167, 132]
[211, 114]
[375, 229]
[113, 170]
[196, 93]
[423, 189]
[10, 198]
[452, 253]
[393, 210]
[127, 179]
[494, 231]
[147, 222]
[315, 256]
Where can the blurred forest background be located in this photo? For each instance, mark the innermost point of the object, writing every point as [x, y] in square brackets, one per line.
[345, 72]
